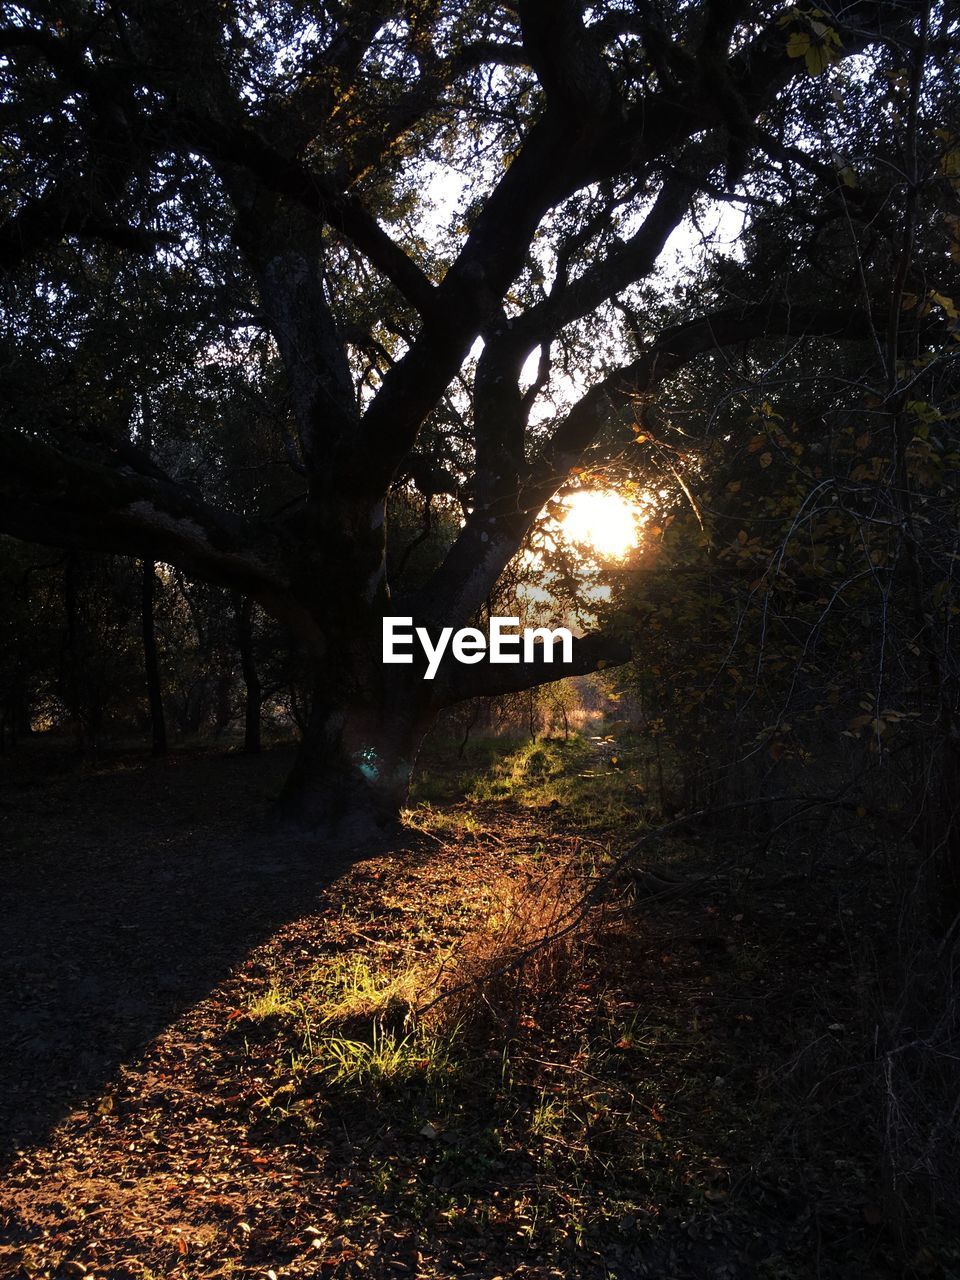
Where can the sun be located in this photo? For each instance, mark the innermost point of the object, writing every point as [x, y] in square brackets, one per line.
[603, 521]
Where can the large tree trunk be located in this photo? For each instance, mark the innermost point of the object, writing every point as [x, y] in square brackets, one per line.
[352, 772]
[243, 609]
[158, 724]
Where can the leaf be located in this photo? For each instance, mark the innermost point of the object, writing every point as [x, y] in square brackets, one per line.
[946, 304]
[734, 486]
[818, 58]
[798, 44]
[766, 459]
[818, 49]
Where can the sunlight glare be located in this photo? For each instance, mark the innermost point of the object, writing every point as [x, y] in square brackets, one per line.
[603, 521]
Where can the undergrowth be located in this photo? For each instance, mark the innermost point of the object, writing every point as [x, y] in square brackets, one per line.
[602, 783]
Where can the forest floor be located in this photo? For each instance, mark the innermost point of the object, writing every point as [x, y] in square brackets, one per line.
[220, 1055]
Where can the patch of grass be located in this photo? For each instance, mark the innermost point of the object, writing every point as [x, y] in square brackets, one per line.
[352, 986]
[600, 783]
[387, 1060]
[272, 1004]
[444, 774]
[534, 774]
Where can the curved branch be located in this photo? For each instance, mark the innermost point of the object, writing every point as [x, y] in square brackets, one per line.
[62, 213]
[493, 534]
[49, 497]
[591, 652]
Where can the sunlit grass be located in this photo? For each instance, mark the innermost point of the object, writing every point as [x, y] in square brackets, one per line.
[354, 987]
[272, 1003]
[387, 1059]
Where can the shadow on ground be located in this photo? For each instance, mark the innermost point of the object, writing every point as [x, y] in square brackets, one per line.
[125, 896]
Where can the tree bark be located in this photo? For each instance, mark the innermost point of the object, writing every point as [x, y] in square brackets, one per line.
[158, 724]
[352, 772]
[243, 608]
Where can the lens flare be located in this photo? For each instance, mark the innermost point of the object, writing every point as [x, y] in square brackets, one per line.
[603, 521]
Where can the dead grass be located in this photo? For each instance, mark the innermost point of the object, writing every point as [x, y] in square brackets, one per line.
[519, 963]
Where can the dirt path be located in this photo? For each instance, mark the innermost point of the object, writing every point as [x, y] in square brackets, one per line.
[128, 892]
[181, 1101]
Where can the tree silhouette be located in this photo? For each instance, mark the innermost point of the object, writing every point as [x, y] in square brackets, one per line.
[221, 217]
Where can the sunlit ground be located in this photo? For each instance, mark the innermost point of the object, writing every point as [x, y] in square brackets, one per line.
[603, 522]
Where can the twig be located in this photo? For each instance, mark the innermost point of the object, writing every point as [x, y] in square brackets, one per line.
[597, 894]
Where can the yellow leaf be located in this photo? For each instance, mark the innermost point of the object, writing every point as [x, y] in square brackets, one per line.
[734, 486]
[818, 57]
[798, 44]
[947, 304]
[766, 459]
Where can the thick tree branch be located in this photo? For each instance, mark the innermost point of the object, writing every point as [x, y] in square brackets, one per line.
[492, 535]
[49, 497]
[241, 146]
[62, 213]
[500, 410]
[557, 158]
[668, 353]
[566, 56]
[591, 652]
[622, 266]
[285, 248]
